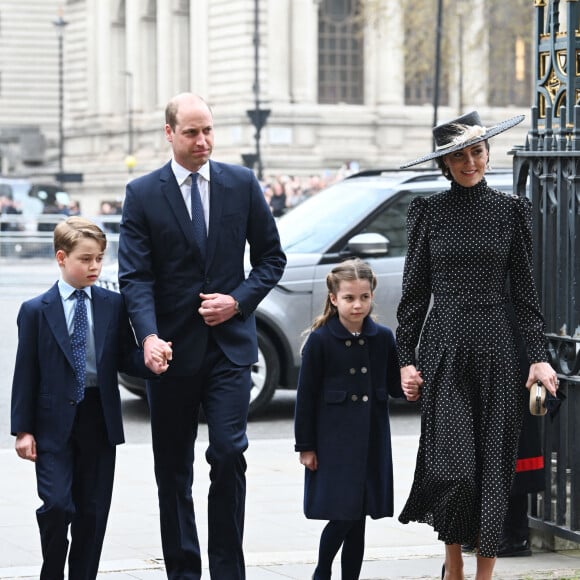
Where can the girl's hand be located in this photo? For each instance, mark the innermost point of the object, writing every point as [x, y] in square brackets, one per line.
[411, 382]
[309, 460]
[543, 372]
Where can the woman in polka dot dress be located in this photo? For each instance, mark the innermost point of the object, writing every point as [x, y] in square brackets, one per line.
[470, 250]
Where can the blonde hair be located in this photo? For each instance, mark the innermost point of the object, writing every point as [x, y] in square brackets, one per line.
[347, 271]
[69, 232]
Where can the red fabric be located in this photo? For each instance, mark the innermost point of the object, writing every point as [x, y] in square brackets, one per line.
[529, 464]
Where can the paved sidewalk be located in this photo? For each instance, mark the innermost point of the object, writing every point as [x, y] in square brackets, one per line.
[279, 542]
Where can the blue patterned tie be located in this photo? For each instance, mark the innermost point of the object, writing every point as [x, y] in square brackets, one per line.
[79, 343]
[197, 216]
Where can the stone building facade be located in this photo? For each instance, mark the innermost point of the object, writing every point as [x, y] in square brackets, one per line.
[332, 77]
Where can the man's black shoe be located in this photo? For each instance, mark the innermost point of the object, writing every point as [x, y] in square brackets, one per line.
[466, 548]
[509, 549]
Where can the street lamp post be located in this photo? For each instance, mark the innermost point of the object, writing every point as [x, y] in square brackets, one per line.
[438, 34]
[130, 160]
[257, 116]
[60, 24]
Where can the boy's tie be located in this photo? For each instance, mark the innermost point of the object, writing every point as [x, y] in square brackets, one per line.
[79, 343]
[197, 215]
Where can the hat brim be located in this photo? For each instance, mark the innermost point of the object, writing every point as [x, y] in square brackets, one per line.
[490, 132]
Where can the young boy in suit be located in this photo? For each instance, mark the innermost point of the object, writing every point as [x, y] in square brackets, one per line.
[66, 406]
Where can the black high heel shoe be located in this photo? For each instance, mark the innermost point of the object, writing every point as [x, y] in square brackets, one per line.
[443, 572]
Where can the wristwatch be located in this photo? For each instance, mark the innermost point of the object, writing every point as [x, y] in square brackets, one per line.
[237, 308]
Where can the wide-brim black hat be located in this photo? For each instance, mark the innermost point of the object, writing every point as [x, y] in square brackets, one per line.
[463, 132]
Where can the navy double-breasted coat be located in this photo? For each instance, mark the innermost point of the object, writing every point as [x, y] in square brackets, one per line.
[342, 414]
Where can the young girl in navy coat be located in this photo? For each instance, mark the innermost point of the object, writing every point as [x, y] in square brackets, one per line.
[349, 369]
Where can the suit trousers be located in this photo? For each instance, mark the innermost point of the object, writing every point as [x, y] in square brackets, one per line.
[222, 390]
[75, 485]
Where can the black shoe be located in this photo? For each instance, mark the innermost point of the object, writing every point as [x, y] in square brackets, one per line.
[509, 549]
[465, 548]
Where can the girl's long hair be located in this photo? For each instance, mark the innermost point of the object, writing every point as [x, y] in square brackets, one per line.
[347, 271]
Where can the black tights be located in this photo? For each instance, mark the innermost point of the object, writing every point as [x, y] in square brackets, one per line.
[350, 535]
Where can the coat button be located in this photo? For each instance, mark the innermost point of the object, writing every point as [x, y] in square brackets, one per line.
[347, 342]
[354, 398]
[72, 403]
[361, 341]
[363, 370]
[352, 371]
[365, 398]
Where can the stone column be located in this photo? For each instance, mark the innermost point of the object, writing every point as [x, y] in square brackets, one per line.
[165, 51]
[133, 50]
[385, 55]
[304, 51]
[199, 47]
[278, 51]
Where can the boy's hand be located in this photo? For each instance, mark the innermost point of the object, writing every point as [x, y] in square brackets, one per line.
[309, 460]
[157, 354]
[26, 446]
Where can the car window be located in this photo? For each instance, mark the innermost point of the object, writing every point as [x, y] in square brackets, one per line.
[391, 221]
[314, 225]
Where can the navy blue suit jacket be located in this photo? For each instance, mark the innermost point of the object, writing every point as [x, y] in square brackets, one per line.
[161, 271]
[43, 384]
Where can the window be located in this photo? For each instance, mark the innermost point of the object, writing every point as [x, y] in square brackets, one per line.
[391, 222]
[340, 53]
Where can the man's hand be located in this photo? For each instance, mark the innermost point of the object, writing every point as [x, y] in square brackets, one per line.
[26, 446]
[157, 354]
[217, 308]
[309, 460]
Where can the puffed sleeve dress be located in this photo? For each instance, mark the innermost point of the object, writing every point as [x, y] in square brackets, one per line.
[470, 253]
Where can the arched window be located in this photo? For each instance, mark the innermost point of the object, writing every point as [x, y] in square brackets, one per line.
[340, 53]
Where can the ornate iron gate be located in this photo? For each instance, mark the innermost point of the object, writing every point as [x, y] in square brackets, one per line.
[549, 166]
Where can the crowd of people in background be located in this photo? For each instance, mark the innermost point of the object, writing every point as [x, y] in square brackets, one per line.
[283, 192]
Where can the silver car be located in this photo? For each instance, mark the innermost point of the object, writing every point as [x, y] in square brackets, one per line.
[365, 216]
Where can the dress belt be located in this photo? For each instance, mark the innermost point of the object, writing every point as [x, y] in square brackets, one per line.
[470, 300]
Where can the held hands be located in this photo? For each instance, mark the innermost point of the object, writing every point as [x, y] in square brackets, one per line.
[411, 382]
[26, 446]
[217, 308]
[309, 460]
[157, 354]
[543, 372]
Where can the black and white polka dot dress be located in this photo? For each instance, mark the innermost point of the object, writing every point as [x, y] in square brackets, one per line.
[464, 245]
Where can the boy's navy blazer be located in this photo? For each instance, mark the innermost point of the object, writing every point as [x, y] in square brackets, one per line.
[44, 380]
[161, 271]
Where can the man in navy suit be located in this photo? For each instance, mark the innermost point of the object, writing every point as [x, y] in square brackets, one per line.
[183, 240]
[67, 416]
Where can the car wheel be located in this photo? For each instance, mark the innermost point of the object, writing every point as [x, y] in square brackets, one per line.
[265, 374]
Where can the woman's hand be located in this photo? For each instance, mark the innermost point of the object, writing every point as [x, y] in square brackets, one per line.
[543, 372]
[411, 382]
